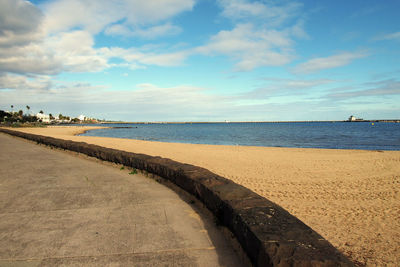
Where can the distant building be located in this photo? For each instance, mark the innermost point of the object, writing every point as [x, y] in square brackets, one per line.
[43, 117]
[353, 118]
[82, 117]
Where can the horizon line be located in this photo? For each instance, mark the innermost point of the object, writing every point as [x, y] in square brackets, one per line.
[186, 122]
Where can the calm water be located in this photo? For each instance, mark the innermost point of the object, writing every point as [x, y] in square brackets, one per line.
[343, 135]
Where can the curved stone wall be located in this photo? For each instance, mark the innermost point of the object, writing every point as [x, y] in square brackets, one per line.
[269, 235]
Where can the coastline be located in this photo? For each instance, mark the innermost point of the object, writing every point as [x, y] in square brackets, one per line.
[217, 122]
[348, 196]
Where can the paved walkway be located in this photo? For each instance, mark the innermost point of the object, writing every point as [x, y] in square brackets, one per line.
[60, 209]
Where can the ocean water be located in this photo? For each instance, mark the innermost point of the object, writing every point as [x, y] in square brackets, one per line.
[333, 135]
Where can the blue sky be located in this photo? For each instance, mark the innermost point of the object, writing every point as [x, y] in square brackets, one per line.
[188, 60]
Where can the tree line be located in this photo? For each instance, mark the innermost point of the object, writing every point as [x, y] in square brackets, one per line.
[19, 117]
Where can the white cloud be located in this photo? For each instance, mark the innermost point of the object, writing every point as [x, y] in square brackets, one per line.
[76, 56]
[19, 22]
[20, 82]
[92, 16]
[59, 50]
[10, 38]
[263, 34]
[390, 36]
[242, 8]
[29, 59]
[273, 14]
[150, 102]
[297, 30]
[19, 9]
[20, 40]
[300, 84]
[139, 58]
[322, 63]
[52, 55]
[95, 16]
[146, 33]
[167, 59]
[285, 87]
[182, 95]
[251, 47]
[26, 49]
[380, 89]
[143, 102]
[152, 11]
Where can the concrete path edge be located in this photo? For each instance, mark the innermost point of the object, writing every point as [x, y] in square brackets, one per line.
[268, 234]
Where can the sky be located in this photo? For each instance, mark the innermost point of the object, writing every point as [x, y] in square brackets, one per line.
[201, 60]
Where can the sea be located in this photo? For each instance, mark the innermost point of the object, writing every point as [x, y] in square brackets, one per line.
[331, 135]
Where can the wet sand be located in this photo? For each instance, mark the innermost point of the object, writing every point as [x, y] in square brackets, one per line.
[351, 197]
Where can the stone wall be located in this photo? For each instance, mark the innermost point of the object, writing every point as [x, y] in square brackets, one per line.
[269, 235]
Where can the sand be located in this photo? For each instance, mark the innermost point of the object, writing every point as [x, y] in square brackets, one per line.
[351, 197]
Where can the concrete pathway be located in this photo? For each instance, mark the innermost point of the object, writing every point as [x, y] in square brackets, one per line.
[57, 208]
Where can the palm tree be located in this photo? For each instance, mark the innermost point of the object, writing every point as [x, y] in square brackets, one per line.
[28, 108]
[12, 108]
[41, 112]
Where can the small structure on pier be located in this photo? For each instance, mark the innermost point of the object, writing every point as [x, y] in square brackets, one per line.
[353, 118]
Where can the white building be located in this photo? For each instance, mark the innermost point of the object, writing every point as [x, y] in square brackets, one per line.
[353, 118]
[82, 117]
[43, 117]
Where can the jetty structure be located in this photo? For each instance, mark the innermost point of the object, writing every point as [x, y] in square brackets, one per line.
[353, 118]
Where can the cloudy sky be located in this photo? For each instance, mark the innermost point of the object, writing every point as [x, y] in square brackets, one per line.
[201, 60]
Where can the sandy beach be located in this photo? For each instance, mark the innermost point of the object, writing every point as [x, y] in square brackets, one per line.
[351, 197]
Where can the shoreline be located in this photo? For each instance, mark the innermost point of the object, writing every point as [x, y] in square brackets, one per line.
[233, 122]
[348, 196]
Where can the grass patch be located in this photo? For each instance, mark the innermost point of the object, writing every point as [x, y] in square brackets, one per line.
[26, 124]
[134, 171]
[122, 168]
